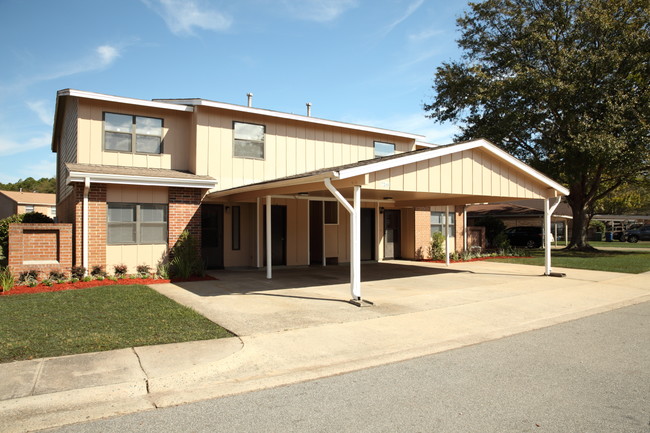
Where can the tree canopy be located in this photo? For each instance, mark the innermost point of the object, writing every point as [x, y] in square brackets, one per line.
[561, 84]
[44, 184]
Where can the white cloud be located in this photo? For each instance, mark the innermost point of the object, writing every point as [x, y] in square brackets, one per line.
[11, 147]
[424, 34]
[43, 110]
[39, 169]
[318, 10]
[107, 54]
[184, 16]
[409, 11]
[416, 123]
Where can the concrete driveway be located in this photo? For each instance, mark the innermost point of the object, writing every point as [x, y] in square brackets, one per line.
[247, 303]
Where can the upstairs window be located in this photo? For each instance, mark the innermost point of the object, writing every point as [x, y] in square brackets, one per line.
[138, 134]
[248, 140]
[384, 149]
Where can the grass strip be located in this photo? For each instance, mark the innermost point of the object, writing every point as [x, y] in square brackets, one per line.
[631, 262]
[96, 319]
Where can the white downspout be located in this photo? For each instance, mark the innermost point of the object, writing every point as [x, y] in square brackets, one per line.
[269, 271]
[257, 234]
[355, 244]
[548, 211]
[84, 237]
[465, 228]
[447, 235]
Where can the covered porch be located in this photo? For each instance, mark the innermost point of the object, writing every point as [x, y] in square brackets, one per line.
[376, 205]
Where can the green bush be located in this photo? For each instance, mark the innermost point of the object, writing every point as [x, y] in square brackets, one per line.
[493, 226]
[31, 217]
[78, 272]
[185, 259]
[120, 270]
[437, 246]
[6, 279]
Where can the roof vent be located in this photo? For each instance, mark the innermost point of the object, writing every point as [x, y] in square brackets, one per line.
[308, 109]
[250, 99]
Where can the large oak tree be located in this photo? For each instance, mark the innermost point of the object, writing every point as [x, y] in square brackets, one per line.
[561, 84]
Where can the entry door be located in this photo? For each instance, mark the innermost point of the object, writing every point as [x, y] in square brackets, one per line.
[315, 232]
[212, 235]
[278, 235]
[367, 234]
[391, 234]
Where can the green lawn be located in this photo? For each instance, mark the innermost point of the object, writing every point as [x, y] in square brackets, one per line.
[95, 319]
[617, 244]
[633, 262]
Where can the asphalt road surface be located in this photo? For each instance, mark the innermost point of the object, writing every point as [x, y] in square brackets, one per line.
[589, 375]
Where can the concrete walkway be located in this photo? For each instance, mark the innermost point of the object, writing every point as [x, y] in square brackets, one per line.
[297, 327]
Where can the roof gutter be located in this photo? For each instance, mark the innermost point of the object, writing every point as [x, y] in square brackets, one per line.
[76, 176]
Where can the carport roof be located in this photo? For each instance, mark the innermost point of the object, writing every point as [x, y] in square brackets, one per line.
[369, 173]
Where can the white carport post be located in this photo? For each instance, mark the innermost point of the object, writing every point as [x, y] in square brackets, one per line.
[447, 235]
[548, 211]
[269, 270]
[355, 236]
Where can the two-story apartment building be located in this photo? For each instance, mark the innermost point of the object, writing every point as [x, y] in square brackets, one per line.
[133, 174]
[18, 202]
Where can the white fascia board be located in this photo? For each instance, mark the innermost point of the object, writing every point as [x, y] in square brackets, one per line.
[425, 144]
[277, 184]
[123, 100]
[447, 150]
[118, 179]
[296, 117]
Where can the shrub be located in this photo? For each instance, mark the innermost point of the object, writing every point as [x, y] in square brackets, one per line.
[47, 282]
[493, 226]
[6, 279]
[98, 271]
[120, 270]
[28, 278]
[501, 241]
[78, 272]
[143, 270]
[87, 278]
[31, 217]
[436, 247]
[186, 260]
[162, 270]
[56, 276]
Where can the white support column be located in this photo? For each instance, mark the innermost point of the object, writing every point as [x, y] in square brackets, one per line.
[269, 271]
[548, 211]
[84, 223]
[447, 235]
[355, 250]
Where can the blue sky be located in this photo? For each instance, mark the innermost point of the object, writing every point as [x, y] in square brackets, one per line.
[367, 62]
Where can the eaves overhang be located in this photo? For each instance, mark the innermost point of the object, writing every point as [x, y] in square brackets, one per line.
[119, 179]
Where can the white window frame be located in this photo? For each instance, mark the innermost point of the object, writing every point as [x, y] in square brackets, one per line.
[137, 223]
[134, 134]
[376, 142]
[235, 141]
[440, 227]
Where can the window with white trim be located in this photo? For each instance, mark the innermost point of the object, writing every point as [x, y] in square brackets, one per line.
[248, 140]
[136, 134]
[29, 208]
[384, 149]
[53, 211]
[134, 223]
[438, 223]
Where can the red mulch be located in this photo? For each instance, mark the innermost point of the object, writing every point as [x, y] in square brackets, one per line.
[19, 290]
[478, 259]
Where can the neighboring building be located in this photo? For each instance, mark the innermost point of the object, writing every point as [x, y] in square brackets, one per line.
[18, 202]
[136, 173]
[525, 213]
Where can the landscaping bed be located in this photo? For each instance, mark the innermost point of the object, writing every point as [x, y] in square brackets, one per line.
[40, 288]
[476, 259]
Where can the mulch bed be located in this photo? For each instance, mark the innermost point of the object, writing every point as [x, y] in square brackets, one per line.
[20, 290]
[478, 259]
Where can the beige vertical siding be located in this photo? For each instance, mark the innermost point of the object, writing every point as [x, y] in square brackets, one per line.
[290, 147]
[472, 172]
[245, 256]
[176, 137]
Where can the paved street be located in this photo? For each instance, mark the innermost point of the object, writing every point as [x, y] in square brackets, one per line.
[588, 375]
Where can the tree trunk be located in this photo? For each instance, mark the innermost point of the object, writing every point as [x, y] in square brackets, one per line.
[578, 205]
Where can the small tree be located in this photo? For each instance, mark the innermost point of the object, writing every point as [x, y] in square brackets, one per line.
[493, 226]
[437, 246]
[185, 258]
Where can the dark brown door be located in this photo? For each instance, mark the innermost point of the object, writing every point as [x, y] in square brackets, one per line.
[316, 232]
[278, 235]
[391, 234]
[367, 234]
[212, 235]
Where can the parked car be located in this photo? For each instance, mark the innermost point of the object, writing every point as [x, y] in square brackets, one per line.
[526, 236]
[637, 234]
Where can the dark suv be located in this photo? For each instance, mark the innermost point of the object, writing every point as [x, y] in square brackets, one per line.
[638, 234]
[525, 236]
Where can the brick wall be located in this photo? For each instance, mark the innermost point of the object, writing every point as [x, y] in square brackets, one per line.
[460, 227]
[422, 232]
[96, 224]
[184, 213]
[41, 247]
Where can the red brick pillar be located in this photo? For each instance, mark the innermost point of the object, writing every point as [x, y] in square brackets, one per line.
[184, 214]
[422, 232]
[96, 224]
[460, 227]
